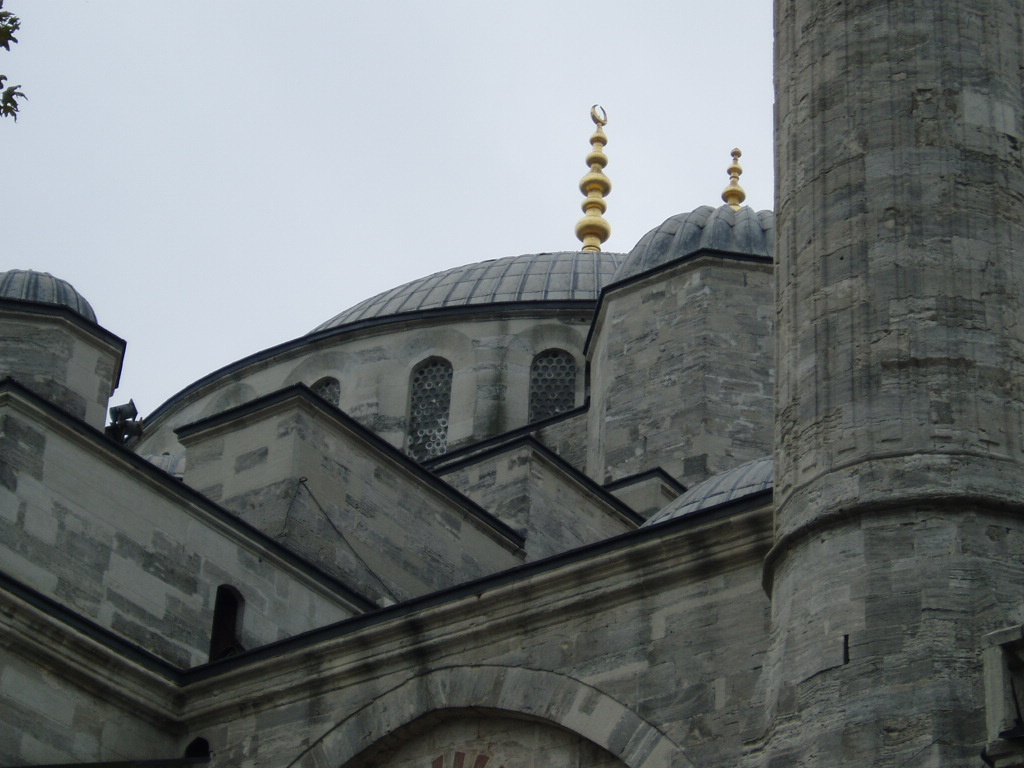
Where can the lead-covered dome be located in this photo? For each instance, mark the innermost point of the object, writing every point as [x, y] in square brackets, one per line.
[560, 276]
[43, 288]
[745, 231]
[745, 480]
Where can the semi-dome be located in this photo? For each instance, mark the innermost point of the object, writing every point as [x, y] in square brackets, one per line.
[745, 231]
[561, 276]
[746, 479]
[44, 288]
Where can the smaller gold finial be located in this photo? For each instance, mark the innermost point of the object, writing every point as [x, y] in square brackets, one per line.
[593, 229]
[734, 194]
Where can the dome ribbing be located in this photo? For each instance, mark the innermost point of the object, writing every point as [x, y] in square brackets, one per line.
[745, 231]
[561, 276]
[43, 288]
[744, 480]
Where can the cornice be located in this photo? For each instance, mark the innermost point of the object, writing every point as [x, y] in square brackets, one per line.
[84, 654]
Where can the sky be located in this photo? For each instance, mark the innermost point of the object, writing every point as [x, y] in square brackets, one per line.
[219, 176]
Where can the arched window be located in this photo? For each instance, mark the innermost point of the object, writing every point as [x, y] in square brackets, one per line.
[552, 384]
[227, 623]
[329, 388]
[428, 408]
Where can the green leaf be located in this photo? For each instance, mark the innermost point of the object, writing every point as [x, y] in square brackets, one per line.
[9, 101]
[9, 24]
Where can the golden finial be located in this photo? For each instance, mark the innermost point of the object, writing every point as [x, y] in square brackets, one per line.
[593, 229]
[734, 194]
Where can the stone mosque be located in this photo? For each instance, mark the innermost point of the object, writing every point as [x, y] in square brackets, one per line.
[750, 495]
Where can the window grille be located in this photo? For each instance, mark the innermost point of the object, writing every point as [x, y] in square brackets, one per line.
[552, 384]
[329, 389]
[429, 407]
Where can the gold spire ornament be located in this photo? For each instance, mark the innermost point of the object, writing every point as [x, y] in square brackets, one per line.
[734, 194]
[593, 229]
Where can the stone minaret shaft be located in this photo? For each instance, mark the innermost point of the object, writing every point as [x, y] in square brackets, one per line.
[900, 306]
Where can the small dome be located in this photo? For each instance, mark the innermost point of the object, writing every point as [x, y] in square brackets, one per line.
[44, 288]
[744, 231]
[562, 276]
[744, 480]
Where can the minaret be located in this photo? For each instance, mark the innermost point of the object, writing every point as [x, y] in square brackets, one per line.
[593, 229]
[900, 304]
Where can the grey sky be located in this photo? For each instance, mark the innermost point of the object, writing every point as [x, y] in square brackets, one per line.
[220, 176]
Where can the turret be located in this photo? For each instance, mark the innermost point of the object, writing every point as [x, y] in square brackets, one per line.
[54, 346]
[680, 353]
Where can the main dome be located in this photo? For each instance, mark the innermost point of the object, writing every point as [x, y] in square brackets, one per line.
[43, 288]
[560, 276]
[745, 231]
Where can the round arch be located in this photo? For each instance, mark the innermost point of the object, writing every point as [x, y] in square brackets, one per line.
[537, 694]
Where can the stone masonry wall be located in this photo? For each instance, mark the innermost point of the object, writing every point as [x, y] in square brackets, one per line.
[682, 372]
[540, 500]
[66, 698]
[490, 356]
[360, 511]
[56, 358]
[568, 438]
[652, 652]
[47, 720]
[80, 525]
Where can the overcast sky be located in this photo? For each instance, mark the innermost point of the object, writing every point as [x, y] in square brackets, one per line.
[219, 176]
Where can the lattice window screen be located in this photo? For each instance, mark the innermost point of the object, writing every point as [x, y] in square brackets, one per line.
[552, 384]
[430, 404]
[329, 389]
